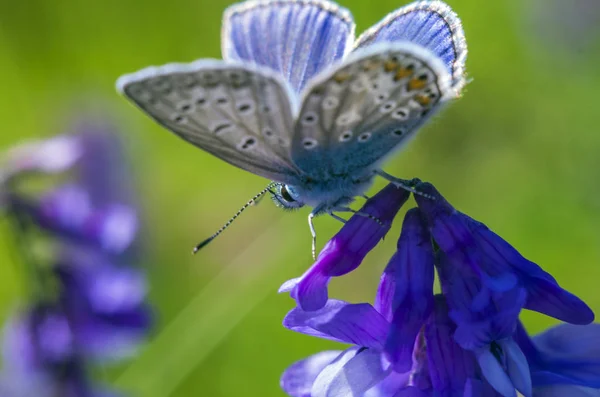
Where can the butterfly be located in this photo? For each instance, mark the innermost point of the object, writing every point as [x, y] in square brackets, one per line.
[299, 101]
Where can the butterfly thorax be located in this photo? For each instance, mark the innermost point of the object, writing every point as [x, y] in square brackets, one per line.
[327, 195]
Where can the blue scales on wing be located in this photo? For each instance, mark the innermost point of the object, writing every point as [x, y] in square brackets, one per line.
[431, 24]
[297, 38]
[353, 116]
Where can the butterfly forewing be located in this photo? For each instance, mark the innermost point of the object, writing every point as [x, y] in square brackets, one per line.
[241, 114]
[356, 114]
[297, 38]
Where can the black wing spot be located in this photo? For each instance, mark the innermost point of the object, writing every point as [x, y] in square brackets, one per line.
[365, 136]
[186, 107]
[309, 143]
[310, 118]
[248, 143]
[245, 107]
[221, 127]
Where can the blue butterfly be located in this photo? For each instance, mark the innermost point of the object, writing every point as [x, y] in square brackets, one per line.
[299, 101]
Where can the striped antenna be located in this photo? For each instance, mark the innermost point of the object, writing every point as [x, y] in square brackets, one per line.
[252, 201]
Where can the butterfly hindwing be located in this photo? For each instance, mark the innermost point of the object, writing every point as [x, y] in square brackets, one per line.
[429, 23]
[241, 114]
[355, 115]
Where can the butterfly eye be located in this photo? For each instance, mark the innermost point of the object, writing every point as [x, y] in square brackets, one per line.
[286, 195]
[284, 198]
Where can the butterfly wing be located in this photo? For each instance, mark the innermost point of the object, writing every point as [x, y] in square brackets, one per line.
[431, 24]
[355, 115]
[297, 38]
[241, 114]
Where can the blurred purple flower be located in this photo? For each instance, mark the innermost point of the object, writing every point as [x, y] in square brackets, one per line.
[90, 302]
[47, 156]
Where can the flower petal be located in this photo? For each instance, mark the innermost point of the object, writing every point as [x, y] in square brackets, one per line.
[566, 354]
[346, 250]
[50, 156]
[517, 367]
[106, 289]
[358, 324]
[350, 375]
[570, 341]
[412, 391]
[544, 295]
[296, 38]
[390, 385]
[550, 299]
[456, 235]
[411, 271]
[298, 379]
[565, 390]
[494, 373]
[449, 365]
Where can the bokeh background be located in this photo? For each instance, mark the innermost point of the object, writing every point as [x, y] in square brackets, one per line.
[520, 152]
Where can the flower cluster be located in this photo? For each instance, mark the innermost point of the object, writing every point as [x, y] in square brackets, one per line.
[77, 241]
[466, 341]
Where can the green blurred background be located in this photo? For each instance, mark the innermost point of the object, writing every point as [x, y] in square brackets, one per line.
[520, 152]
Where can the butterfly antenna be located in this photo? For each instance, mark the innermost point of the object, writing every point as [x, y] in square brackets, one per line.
[252, 201]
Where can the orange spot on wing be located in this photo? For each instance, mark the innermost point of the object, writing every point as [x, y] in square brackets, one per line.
[416, 84]
[341, 77]
[423, 100]
[402, 72]
[388, 66]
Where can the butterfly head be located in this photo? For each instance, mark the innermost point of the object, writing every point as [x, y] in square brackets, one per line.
[286, 197]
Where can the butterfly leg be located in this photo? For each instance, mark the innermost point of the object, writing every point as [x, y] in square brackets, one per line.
[336, 217]
[313, 233]
[359, 213]
[403, 183]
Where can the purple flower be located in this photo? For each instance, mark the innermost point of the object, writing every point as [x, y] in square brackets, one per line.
[90, 298]
[465, 342]
[380, 347]
[486, 281]
[564, 359]
[440, 367]
[388, 352]
[346, 250]
[405, 295]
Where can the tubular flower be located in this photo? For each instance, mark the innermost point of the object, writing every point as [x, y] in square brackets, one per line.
[467, 341]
